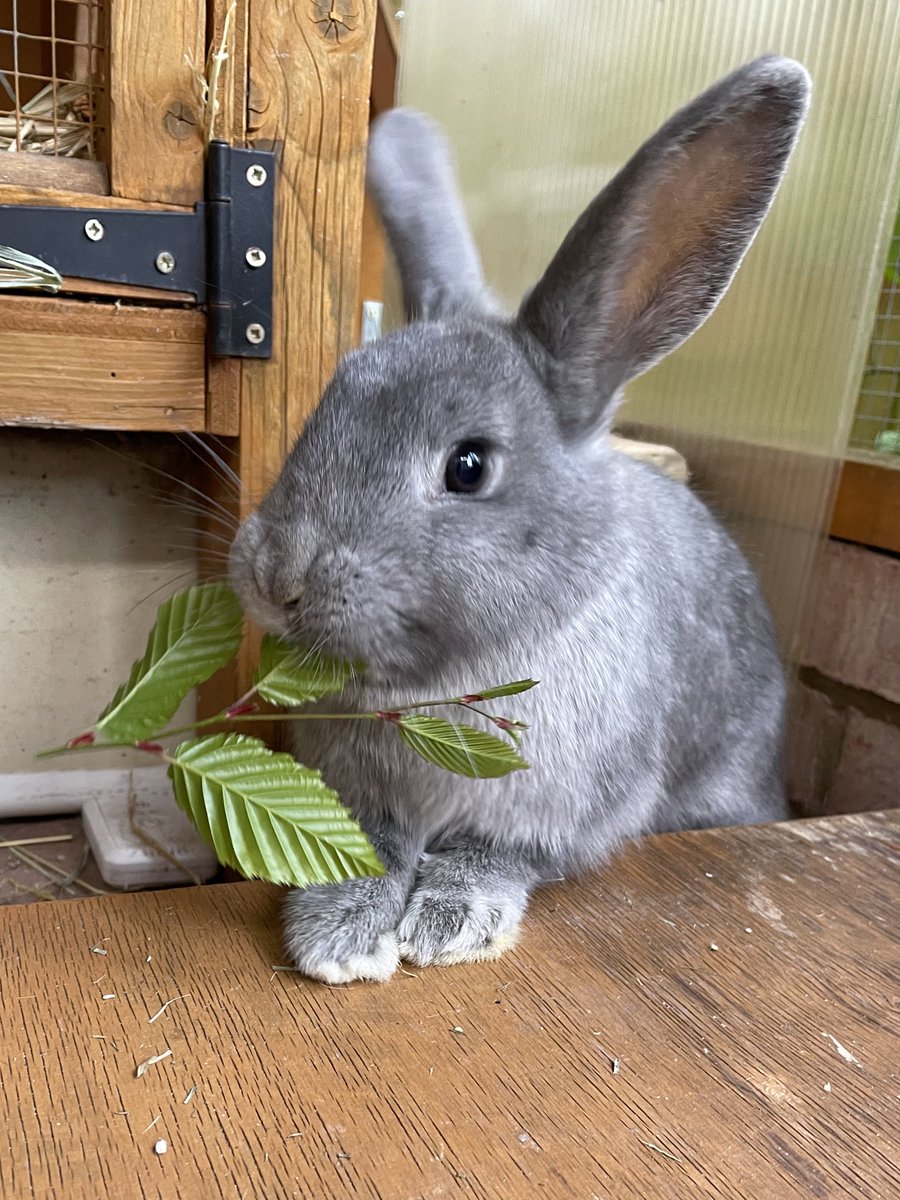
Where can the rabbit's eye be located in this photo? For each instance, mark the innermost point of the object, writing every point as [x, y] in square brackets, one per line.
[466, 468]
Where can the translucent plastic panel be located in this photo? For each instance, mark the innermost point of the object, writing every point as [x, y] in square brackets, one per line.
[544, 102]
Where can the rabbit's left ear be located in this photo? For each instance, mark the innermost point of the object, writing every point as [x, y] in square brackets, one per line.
[413, 181]
[649, 259]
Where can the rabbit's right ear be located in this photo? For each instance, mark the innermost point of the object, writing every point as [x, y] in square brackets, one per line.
[411, 177]
[649, 259]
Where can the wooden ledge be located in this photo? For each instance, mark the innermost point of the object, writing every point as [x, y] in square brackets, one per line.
[741, 977]
[867, 506]
[86, 365]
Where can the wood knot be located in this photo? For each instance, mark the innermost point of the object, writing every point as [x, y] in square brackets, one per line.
[180, 121]
[336, 20]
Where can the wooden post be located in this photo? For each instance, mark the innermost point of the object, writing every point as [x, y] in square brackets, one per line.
[155, 99]
[307, 98]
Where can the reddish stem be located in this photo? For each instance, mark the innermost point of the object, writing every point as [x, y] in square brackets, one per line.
[83, 739]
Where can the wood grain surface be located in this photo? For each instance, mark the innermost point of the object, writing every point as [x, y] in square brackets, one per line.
[101, 366]
[746, 980]
[44, 171]
[867, 505]
[20, 193]
[157, 61]
[310, 68]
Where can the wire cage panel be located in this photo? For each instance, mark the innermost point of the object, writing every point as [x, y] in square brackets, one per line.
[876, 425]
[53, 78]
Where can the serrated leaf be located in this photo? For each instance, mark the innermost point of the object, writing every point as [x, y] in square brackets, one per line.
[197, 631]
[507, 689]
[267, 815]
[459, 748]
[290, 676]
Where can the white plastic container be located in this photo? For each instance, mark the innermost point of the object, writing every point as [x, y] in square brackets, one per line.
[124, 859]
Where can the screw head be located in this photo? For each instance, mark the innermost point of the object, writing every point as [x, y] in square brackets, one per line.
[165, 262]
[257, 175]
[255, 333]
[94, 229]
[255, 256]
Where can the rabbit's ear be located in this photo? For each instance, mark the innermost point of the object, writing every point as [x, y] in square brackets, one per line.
[411, 177]
[650, 258]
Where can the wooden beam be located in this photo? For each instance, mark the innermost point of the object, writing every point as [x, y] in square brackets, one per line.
[316, 116]
[69, 363]
[67, 174]
[867, 507]
[385, 55]
[157, 61]
[19, 193]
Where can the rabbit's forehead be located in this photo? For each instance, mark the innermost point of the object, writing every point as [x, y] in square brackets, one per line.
[426, 383]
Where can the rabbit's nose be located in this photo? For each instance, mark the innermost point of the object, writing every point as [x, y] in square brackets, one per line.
[331, 574]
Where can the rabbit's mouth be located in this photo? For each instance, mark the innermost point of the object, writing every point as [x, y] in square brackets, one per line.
[399, 654]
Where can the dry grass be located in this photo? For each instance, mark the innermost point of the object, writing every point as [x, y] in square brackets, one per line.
[56, 121]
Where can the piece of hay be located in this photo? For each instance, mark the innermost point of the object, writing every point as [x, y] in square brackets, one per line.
[20, 270]
[149, 1062]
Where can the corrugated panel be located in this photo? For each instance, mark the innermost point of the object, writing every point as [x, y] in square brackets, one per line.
[545, 102]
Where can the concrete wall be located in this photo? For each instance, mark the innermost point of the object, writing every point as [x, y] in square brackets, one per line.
[86, 554]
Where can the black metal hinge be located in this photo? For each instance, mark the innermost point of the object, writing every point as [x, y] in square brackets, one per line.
[221, 253]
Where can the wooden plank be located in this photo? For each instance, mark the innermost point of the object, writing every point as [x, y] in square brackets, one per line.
[385, 54]
[14, 193]
[318, 212]
[228, 35]
[223, 396]
[100, 366]
[867, 506]
[124, 291]
[224, 377]
[742, 977]
[319, 206]
[373, 250]
[61, 174]
[157, 59]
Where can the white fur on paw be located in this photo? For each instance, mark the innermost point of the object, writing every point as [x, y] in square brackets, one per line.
[431, 935]
[378, 966]
[486, 952]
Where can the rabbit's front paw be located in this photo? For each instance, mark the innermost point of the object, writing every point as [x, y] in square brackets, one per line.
[344, 931]
[441, 927]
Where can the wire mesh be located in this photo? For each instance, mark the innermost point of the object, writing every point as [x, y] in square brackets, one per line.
[53, 77]
[877, 422]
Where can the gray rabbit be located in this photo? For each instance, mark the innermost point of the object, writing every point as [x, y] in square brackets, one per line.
[454, 516]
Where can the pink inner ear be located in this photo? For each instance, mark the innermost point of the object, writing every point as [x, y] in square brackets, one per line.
[682, 252]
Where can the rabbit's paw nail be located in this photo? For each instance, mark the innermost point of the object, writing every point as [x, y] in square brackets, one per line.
[440, 931]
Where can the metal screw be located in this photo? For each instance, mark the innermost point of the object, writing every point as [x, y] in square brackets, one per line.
[255, 256]
[255, 333]
[94, 229]
[257, 175]
[165, 262]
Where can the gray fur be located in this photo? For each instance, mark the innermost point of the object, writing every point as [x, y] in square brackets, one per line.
[662, 696]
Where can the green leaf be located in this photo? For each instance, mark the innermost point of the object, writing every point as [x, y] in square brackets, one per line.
[197, 631]
[506, 689]
[459, 748]
[267, 815]
[290, 676]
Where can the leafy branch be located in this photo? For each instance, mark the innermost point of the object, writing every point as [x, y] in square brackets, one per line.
[263, 812]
